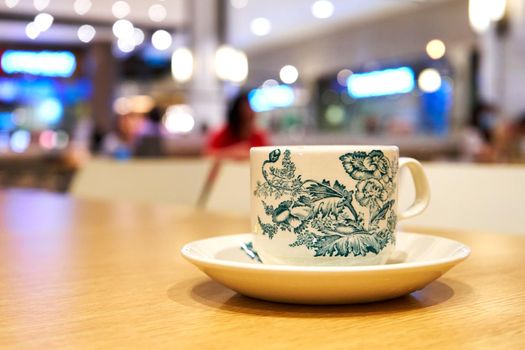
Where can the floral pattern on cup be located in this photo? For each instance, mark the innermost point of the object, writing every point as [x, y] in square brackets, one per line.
[327, 217]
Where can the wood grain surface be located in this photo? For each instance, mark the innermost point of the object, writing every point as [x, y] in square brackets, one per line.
[78, 274]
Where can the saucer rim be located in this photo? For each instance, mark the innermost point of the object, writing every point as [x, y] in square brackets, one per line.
[462, 253]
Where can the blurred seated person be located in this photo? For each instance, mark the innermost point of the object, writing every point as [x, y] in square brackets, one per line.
[240, 133]
[121, 143]
[479, 136]
[150, 141]
[510, 141]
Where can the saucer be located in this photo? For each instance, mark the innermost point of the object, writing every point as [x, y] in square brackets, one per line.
[418, 260]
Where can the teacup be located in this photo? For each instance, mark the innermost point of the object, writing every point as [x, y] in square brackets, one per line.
[329, 205]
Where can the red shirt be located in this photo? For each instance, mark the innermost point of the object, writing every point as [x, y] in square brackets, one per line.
[223, 138]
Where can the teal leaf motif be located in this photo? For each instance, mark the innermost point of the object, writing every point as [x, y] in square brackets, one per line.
[355, 244]
[268, 209]
[267, 229]
[319, 191]
[381, 214]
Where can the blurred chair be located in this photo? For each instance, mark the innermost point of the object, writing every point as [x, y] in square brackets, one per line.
[152, 181]
[229, 188]
[471, 197]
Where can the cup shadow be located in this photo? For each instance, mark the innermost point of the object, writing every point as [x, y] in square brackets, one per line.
[211, 294]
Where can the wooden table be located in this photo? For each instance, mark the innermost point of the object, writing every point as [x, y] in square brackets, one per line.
[81, 274]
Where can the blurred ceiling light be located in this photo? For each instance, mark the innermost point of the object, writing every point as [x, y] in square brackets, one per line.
[323, 9]
[43, 21]
[261, 26]
[231, 64]
[86, 33]
[120, 9]
[429, 80]
[497, 9]
[123, 28]
[40, 5]
[82, 7]
[125, 45]
[20, 141]
[343, 75]
[289, 74]
[239, 4]
[179, 119]
[157, 13]
[32, 30]
[182, 64]
[11, 3]
[269, 83]
[436, 49]
[161, 40]
[138, 36]
[479, 14]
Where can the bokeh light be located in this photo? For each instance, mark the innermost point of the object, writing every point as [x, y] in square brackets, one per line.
[261, 26]
[20, 141]
[11, 3]
[121, 106]
[322, 9]
[289, 74]
[239, 4]
[179, 119]
[269, 98]
[50, 110]
[429, 80]
[43, 63]
[182, 64]
[50, 139]
[381, 83]
[231, 64]
[125, 45]
[43, 21]
[32, 30]
[157, 13]
[86, 33]
[436, 49]
[47, 139]
[161, 40]
[269, 83]
[343, 75]
[335, 115]
[40, 5]
[138, 36]
[120, 9]
[82, 7]
[61, 139]
[479, 14]
[497, 9]
[123, 28]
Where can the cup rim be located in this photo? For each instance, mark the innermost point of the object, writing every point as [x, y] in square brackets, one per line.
[325, 148]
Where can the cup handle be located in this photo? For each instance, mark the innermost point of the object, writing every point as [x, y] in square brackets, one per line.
[422, 188]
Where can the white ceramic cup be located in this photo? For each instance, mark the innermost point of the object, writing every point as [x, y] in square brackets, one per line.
[329, 205]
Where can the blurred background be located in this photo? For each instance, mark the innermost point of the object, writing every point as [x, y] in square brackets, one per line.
[85, 79]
